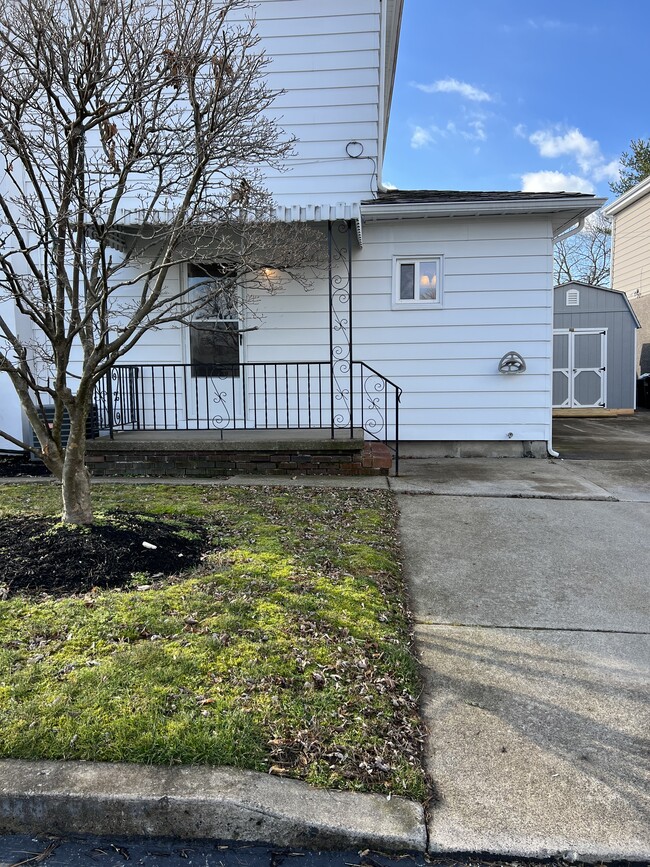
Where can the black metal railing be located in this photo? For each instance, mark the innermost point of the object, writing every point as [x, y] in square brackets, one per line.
[116, 399]
[299, 395]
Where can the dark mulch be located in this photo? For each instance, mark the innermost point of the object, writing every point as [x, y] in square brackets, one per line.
[39, 555]
[16, 466]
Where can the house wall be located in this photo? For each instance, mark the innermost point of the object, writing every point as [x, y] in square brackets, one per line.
[603, 308]
[497, 298]
[631, 249]
[641, 306]
[631, 268]
[326, 59]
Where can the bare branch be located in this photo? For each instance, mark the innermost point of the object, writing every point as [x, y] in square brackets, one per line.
[585, 257]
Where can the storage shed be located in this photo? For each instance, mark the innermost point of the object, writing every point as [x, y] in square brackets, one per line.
[594, 350]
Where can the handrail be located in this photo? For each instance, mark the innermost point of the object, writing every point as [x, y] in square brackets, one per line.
[251, 395]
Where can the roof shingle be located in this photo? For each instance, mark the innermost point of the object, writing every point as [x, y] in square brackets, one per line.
[409, 197]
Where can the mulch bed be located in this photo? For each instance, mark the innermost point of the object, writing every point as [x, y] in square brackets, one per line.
[39, 555]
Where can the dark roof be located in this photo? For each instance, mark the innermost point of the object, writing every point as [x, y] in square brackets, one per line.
[411, 197]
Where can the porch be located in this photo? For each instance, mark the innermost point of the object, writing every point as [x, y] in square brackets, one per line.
[221, 403]
[219, 453]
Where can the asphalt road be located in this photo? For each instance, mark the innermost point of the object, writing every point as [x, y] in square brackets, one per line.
[26, 850]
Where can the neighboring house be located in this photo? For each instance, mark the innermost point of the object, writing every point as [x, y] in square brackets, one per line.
[594, 350]
[630, 215]
[426, 292]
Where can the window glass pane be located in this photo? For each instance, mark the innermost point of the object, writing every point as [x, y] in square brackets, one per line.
[428, 288]
[214, 349]
[218, 284]
[407, 282]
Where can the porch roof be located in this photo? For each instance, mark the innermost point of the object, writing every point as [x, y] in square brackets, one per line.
[132, 223]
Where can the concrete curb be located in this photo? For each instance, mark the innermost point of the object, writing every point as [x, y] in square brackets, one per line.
[200, 803]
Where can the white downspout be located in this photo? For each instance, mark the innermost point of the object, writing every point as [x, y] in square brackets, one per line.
[381, 132]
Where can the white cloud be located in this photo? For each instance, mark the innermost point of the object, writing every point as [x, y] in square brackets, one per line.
[608, 171]
[477, 133]
[520, 131]
[452, 85]
[573, 143]
[388, 186]
[421, 138]
[560, 142]
[546, 24]
[553, 182]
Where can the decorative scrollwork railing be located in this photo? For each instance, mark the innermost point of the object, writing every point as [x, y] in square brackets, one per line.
[299, 395]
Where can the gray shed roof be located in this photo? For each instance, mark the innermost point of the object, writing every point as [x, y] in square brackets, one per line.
[603, 289]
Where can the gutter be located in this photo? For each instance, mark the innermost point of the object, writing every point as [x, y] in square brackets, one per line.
[628, 198]
[375, 212]
[557, 238]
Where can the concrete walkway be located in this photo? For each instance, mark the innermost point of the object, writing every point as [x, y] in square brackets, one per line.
[529, 583]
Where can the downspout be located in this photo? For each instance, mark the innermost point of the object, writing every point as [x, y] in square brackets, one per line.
[556, 239]
[381, 131]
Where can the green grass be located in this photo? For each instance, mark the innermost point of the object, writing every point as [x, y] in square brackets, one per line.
[288, 650]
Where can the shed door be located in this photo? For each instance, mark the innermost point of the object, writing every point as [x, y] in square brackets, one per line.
[579, 367]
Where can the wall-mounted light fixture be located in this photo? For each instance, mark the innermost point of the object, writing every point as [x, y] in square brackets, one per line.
[512, 362]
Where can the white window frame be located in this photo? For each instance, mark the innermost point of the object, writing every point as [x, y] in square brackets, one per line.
[416, 303]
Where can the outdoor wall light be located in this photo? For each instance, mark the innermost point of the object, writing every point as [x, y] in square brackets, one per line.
[512, 362]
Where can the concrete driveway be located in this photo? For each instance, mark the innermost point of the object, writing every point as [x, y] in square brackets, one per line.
[621, 438]
[531, 620]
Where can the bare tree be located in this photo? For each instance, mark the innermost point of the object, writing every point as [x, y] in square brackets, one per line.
[133, 137]
[585, 257]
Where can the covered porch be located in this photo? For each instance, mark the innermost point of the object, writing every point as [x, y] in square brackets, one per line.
[283, 409]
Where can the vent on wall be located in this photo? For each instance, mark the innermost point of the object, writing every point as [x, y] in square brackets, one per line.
[572, 297]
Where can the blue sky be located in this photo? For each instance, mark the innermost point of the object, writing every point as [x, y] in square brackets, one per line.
[516, 94]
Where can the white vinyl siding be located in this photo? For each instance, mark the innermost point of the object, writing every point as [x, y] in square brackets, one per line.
[497, 298]
[631, 249]
[326, 60]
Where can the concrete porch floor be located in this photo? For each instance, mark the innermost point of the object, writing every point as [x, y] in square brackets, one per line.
[227, 440]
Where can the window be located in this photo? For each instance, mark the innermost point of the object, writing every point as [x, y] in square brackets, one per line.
[572, 298]
[418, 282]
[214, 331]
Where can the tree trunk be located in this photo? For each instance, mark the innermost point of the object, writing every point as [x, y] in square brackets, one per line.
[75, 480]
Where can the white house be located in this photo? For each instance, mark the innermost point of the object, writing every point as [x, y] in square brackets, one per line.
[427, 296]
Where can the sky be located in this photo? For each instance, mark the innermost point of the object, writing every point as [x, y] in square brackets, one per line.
[518, 94]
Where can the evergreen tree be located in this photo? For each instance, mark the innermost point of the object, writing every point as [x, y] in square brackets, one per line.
[635, 166]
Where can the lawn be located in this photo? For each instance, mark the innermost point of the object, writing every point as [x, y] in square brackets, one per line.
[285, 648]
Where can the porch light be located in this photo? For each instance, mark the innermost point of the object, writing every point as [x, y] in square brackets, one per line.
[270, 273]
